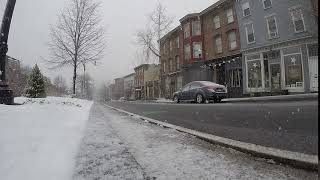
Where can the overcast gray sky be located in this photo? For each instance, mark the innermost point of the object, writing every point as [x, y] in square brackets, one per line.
[122, 18]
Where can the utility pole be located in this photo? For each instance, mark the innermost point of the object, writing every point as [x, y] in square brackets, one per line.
[6, 94]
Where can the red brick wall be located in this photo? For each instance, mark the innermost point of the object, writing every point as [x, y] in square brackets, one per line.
[209, 32]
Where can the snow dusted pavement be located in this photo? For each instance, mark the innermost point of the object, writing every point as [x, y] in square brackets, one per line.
[116, 146]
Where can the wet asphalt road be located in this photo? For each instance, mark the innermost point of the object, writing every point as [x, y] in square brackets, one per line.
[290, 126]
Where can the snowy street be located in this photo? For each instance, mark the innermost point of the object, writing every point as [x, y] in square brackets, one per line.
[64, 139]
[117, 146]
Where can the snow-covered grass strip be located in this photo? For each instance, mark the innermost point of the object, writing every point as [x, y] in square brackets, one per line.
[39, 139]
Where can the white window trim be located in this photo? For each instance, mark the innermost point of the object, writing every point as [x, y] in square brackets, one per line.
[214, 23]
[246, 27]
[229, 45]
[192, 26]
[302, 18]
[262, 88]
[283, 72]
[231, 10]
[264, 7]
[193, 49]
[275, 19]
[184, 32]
[215, 44]
[244, 9]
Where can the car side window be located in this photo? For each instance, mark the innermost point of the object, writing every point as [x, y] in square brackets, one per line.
[194, 86]
[186, 87]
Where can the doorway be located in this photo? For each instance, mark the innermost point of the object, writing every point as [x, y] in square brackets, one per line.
[275, 77]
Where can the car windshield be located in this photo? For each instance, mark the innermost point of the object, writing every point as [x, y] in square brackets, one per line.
[159, 90]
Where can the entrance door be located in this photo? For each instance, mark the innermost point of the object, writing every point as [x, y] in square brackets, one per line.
[275, 77]
[313, 70]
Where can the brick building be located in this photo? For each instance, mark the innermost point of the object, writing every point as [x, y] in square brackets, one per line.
[221, 46]
[129, 86]
[139, 81]
[171, 62]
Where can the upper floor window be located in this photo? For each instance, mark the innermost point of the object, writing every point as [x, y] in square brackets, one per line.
[246, 9]
[187, 52]
[230, 18]
[250, 33]
[197, 50]
[164, 67]
[178, 62]
[170, 65]
[232, 39]
[216, 22]
[266, 4]
[272, 27]
[218, 43]
[298, 21]
[170, 45]
[178, 42]
[196, 28]
[186, 30]
[165, 48]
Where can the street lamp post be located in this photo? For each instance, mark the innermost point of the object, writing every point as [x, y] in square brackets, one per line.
[6, 94]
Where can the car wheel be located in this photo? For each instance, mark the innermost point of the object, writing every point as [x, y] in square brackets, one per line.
[199, 98]
[176, 99]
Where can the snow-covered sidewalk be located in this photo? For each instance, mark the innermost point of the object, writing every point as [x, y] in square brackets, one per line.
[39, 139]
[117, 146]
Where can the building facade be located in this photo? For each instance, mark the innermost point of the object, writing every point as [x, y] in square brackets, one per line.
[139, 81]
[192, 53]
[129, 86]
[279, 44]
[152, 82]
[221, 46]
[118, 88]
[171, 63]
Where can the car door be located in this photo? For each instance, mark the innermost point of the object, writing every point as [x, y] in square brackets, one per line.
[193, 90]
[185, 91]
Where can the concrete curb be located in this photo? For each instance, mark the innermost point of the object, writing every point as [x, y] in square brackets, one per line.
[299, 97]
[299, 160]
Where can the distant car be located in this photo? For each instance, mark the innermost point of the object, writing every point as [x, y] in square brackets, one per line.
[200, 92]
[108, 99]
[122, 99]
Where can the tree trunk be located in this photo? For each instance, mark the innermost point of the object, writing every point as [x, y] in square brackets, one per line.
[74, 79]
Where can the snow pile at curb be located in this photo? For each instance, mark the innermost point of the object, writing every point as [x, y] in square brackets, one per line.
[39, 139]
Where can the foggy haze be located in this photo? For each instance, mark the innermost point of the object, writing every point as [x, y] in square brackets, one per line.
[122, 18]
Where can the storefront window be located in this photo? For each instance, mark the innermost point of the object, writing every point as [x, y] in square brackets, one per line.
[235, 77]
[293, 71]
[254, 72]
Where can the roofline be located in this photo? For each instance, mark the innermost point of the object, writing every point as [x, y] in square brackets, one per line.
[170, 33]
[132, 74]
[191, 15]
[212, 7]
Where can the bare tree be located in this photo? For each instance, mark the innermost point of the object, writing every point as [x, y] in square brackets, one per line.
[60, 84]
[149, 38]
[85, 86]
[78, 37]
